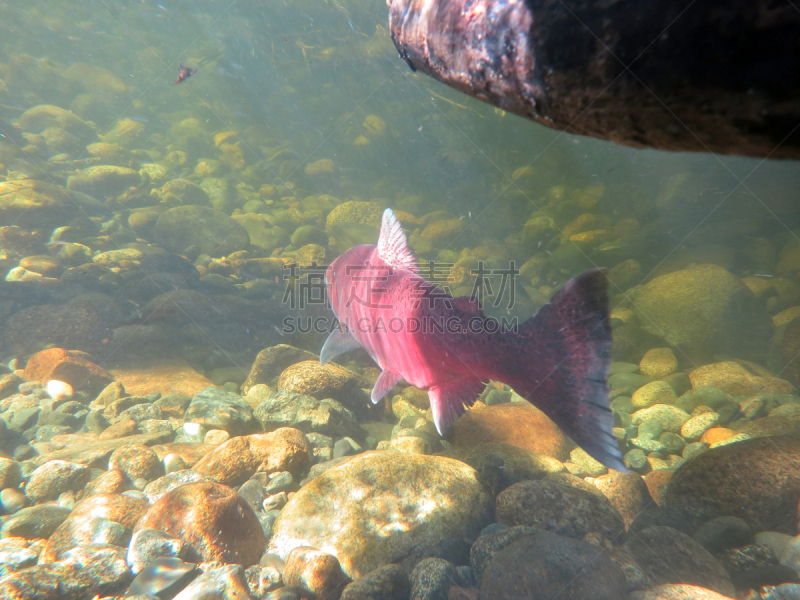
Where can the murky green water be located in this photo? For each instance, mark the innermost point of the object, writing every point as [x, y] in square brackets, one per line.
[150, 224]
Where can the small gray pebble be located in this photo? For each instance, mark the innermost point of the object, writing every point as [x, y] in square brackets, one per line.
[253, 493]
[280, 481]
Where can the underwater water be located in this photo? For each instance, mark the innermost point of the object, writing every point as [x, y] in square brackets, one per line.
[166, 426]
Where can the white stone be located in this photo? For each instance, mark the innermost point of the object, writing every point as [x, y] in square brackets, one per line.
[191, 428]
[59, 390]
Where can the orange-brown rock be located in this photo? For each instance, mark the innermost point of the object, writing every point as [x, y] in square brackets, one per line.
[756, 480]
[271, 362]
[516, 423]
[656, 482]
[77, 529]
[136, 461]
[733, 378]
[190, 452]
[71, 366]
[212, 520]
[315, 572]
[312, 379]
[120, 429]
[165, 376]
[235, 461]
[716, 434]
[110, 482]
[95, 453]
[627, 492]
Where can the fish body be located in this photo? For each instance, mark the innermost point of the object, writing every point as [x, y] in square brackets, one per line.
[184, 73]
[557, 360]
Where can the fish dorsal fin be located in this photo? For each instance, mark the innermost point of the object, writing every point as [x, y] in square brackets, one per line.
[392, 244]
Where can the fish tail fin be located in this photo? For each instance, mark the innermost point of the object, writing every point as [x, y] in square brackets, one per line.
[568, 344]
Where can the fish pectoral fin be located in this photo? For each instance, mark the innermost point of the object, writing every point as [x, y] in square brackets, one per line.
[386, 381]
[339, 341]
[450, 400]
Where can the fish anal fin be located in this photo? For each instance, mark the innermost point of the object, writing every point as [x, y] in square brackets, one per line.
[393, 246]
[451, 399]
[386, 381]
[339, 341]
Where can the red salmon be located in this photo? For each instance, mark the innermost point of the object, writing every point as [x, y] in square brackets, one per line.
[557, 360]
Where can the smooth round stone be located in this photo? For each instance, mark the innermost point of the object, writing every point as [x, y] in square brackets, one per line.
[308, 234]
[147, 545]
[655, 392]
[328, 381]
[253, 493]
[59, 390]
[77, 529]
[235, 461]
[432, 578]
[627, 382]
[647, 444]
[627, 492]
[650, 429]
[705, 308]
[588, 466]
[516, 464]
[695, 427]
[172, 463]
[693, 449]
[516, 423]
[280, 481]
[658, 363]
[227, 582]
[217, 437]
[314, 572]
[563, 509]
[109, 482]
[667, 555]
[636, 460]
[136, 461]
[671, 418]
[212, 520]
[156, 489]
[213, 408]
[673, 443]
[54, 477]
[404, 502]
[275, 502]
[758, 485]
[388, 581]
[12, 500]
[324, 416]
[723, 533]
[160, 575]
[34, 522]
[546, 565]
[10, 473]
